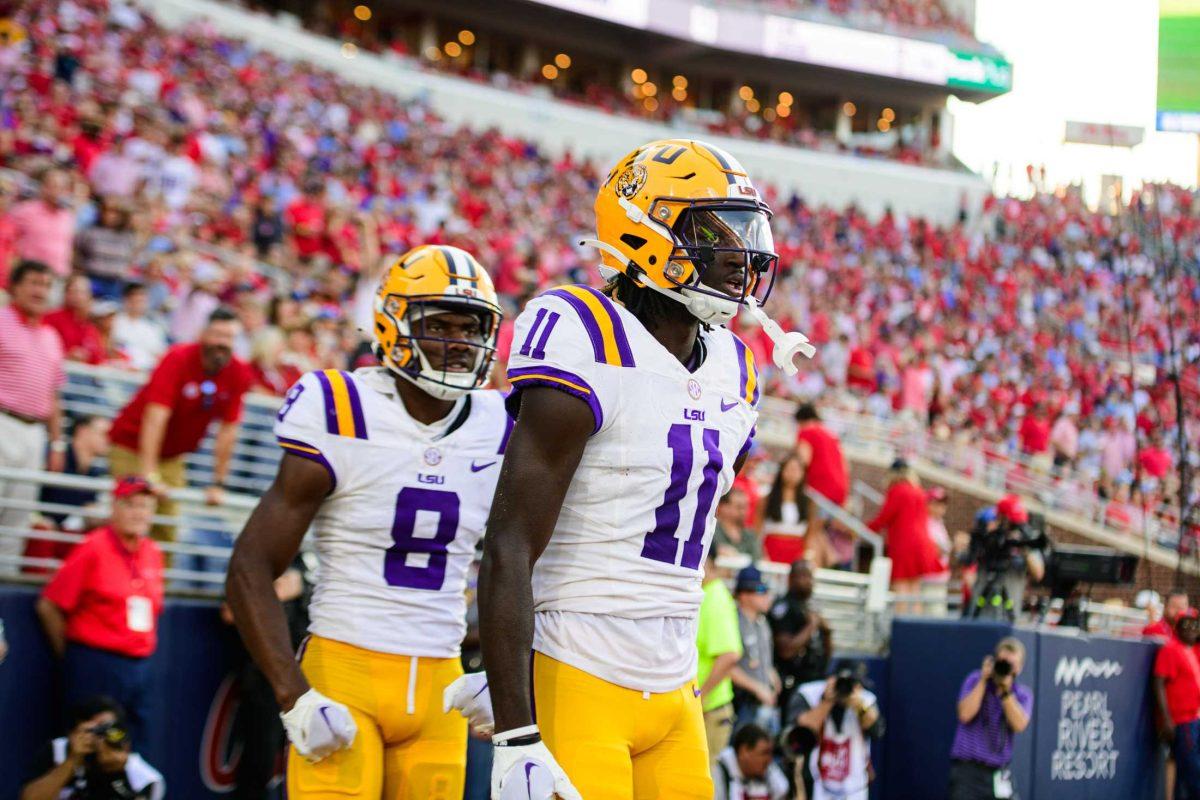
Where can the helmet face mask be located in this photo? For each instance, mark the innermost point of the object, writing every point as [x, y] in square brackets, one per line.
[436, 321]
[721, 240]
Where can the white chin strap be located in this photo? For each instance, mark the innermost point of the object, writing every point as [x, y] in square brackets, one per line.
[717, 311]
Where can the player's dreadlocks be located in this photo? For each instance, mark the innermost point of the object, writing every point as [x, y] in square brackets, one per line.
[651, 307]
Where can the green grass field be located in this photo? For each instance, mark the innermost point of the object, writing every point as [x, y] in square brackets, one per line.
[1179, 59]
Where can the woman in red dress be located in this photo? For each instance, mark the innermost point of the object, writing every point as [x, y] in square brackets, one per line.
[904, 521]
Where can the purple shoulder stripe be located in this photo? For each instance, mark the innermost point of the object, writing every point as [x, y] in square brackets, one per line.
[553, 378]
[623, 348]
[356, 408]
[585, 316]
[331, 422]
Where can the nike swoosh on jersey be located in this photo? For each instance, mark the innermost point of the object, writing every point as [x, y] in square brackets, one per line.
[477, 467]
[726, 406]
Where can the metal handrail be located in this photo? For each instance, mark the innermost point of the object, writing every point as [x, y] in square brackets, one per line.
[853, 523]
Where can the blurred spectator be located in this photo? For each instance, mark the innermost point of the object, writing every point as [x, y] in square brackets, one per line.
[257, 723]
[192, 386]
[198, 302]
[746, 769]
[273, 372]
[1064, 438]
[1175, 605]
[1035, 432]
[904, 521]
[267, 230]
[1176, 685]
[80, 337]
[719, 648]
[731, 536]
[835, 719]
[992, 709]
[95, 761]
[783, 518]
[935, 500]
[802, 638]
[100, 610]
[8, 230]
[31, 361]
[826, 473]
[756, 684]
[141, 339]
[106, 249]
[1155, 459]
[87, 446]
[45, 225]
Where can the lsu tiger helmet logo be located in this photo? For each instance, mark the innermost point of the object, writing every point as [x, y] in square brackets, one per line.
[425, 284]
[673, 207]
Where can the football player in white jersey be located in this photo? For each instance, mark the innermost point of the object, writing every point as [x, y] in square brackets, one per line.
[394, 467]
[634, 410]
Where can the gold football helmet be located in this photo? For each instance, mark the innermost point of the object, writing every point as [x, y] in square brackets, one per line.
[423, 283]
[670, 209]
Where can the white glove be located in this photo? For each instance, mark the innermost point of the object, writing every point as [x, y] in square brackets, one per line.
[318, 726]
[469, 694]
[527, 771]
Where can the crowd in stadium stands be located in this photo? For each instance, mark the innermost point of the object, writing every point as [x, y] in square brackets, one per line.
[927, 15]
[180, 171]
[906, 143]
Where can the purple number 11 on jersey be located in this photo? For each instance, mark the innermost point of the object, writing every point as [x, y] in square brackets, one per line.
[662, 543]
[430, 575]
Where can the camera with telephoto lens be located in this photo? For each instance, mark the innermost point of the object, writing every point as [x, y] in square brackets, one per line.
[111, 733]
[998, 546]
[1002, 668]
[844, 683]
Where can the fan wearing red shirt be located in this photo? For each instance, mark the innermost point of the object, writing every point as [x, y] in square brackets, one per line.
[1035, 432]
[192, 386]
[305, 219]
[100, 611]
[825, 472]
[1175, 605]
[80, 336]
[1177, 690]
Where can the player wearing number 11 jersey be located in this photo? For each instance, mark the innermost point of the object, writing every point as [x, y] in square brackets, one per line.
[394, 467]
[634, 411]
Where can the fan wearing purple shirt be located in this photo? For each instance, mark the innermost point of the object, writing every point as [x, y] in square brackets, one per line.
[992, 709]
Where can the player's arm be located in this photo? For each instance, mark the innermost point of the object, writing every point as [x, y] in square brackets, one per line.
[544, 450]
[264, 551]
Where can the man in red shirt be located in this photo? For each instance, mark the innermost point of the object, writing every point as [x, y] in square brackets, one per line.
[305, 218]
[1177, 689]
[80, 336]
[1176, 605]
[825, 472]
[1035, 432]
[193, 385]
[100, 611]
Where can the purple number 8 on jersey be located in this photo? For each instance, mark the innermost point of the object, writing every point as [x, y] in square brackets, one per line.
[396, 570]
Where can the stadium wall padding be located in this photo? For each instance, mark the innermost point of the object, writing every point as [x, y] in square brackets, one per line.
[1091, 738]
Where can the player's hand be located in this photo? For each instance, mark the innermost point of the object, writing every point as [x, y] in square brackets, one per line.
[317, 726]
[470, 696]
[528, 771]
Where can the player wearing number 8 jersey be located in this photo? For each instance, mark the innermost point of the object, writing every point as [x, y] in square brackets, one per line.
[634, 409]
[394, 468]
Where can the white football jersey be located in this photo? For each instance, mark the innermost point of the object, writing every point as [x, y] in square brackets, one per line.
[629, 546]
[397, 534]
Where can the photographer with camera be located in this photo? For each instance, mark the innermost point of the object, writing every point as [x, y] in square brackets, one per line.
[1006, 545]
[94, 762]
[833, 721]
[746, 770]
[992, 709]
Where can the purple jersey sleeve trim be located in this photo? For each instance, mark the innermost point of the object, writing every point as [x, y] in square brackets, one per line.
[306, 450]
[508, 426]
[562, 380]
